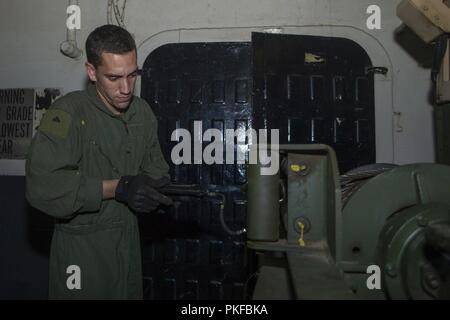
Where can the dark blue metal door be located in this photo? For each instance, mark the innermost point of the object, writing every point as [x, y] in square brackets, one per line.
[187, 255]
[316, 90]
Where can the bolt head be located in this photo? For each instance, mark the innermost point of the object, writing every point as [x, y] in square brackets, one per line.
[390, 270]
[422, 221]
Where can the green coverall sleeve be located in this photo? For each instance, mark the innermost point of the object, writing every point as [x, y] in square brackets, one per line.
[54, 181]
[154, 163]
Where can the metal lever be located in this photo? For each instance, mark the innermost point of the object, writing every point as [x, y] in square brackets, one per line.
[194, 190]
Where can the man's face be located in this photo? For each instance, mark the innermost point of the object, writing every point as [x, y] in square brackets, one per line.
[114, 79]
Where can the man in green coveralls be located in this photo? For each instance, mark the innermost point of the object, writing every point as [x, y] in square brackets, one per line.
[93, 163]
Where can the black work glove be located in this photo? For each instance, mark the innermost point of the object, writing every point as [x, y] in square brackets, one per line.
[139, 192]
[157, 183]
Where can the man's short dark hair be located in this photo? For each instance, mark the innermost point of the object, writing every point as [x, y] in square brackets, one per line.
[108, 38]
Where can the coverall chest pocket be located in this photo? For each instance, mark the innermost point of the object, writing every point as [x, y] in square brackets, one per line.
[97, 162]
[136, 146]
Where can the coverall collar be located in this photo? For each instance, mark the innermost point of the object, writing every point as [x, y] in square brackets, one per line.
[98, 102]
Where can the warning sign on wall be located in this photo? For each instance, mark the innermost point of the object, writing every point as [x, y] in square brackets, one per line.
[20, 113]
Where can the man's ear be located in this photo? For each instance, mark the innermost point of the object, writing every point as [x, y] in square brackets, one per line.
[90, 69]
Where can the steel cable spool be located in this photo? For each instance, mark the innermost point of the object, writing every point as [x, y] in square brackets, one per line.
[353, 180]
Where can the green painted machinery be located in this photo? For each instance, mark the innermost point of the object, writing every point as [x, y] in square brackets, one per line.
[377, 232]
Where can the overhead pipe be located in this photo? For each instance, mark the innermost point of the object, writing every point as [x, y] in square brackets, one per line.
[69, 47]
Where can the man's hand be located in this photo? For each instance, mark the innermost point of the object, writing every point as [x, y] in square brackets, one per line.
[139, 192]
